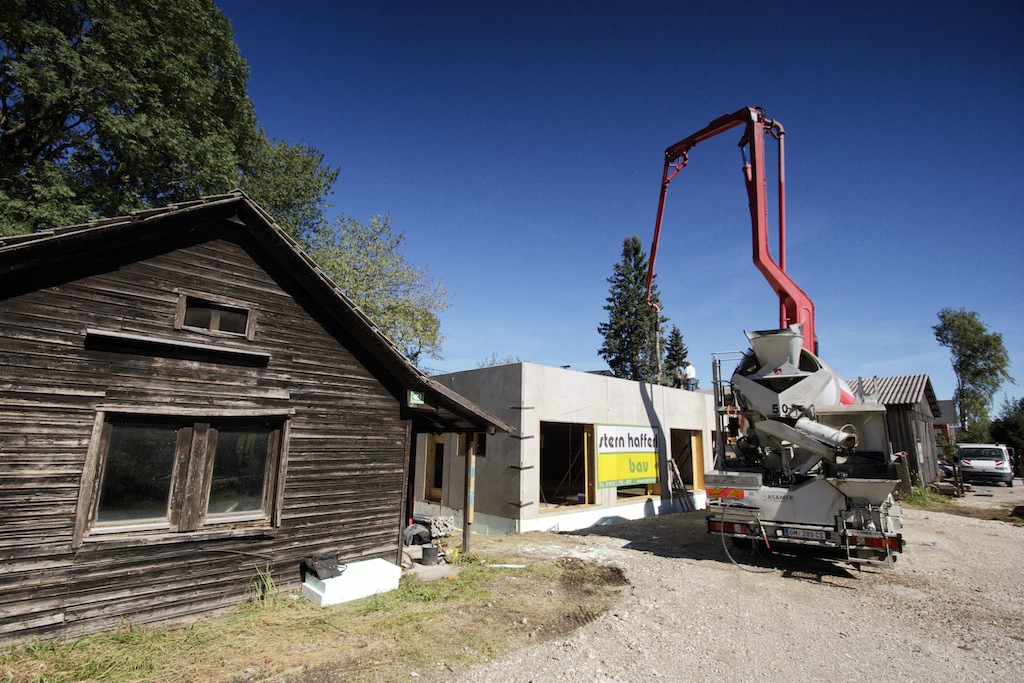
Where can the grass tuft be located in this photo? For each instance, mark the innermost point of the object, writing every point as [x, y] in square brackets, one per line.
[925, 499]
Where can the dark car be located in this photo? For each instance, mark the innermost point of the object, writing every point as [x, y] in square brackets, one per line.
[945, 469]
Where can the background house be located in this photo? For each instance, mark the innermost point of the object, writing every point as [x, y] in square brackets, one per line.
[585, 449]
[187, 400]
[946, 422]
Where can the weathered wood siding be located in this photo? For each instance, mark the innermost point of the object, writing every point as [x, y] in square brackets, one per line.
[346, 449]
[910, 430]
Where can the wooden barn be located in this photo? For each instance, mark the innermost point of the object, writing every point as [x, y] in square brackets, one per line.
[186, 400]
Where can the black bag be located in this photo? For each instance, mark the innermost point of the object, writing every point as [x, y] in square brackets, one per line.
[323, 566]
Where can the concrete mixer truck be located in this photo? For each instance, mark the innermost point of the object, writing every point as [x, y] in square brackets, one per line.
[801, 463]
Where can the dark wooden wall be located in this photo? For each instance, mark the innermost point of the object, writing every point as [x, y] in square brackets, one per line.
[346, 450]
[910, 430]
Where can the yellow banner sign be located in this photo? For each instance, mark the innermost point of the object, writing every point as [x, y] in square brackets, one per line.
[626, 455]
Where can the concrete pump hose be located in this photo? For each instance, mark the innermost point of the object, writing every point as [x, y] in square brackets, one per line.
[725, 546]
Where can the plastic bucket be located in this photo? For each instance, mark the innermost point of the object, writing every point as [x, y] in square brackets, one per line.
[429, 554]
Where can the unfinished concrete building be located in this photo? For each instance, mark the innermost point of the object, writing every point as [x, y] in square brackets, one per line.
[587, 449]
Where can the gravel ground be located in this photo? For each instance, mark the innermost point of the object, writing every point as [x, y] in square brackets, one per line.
[951, 609]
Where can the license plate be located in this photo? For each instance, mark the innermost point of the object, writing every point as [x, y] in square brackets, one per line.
[811, 534]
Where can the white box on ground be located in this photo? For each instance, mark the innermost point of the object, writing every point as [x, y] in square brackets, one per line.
[360, 579]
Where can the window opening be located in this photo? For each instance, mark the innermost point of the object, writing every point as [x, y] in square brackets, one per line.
[635, 491]
[564, 465]
[437, 480]
[187, 473]
[215, 317]
[433, 468]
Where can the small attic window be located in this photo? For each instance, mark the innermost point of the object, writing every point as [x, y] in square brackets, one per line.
[214, 315]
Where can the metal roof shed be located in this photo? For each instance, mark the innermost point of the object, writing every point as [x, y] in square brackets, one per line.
[911, 408]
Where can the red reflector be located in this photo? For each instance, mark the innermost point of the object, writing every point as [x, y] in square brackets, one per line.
[728, 527]
[892, 542]
[720, 492]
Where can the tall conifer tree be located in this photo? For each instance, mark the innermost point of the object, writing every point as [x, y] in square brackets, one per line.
[632, 335]
[676, 351]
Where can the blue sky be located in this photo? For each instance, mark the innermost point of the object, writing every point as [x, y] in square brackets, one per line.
[516, 145]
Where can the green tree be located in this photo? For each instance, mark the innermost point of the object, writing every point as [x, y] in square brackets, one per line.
[495, 359]
[947, 448]
[980, 363]
[114, 105]
[676, 351]
[292, 182]
[1008, 427]
[366, 262]
[109, 106]
[632, 336]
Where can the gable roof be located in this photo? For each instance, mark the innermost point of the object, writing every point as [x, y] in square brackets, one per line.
[51, 250]
[904, 390]
[947, 413]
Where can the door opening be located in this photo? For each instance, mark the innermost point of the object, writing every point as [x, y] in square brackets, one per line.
[688, 454]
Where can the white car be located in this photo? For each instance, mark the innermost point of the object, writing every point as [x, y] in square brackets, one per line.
[985, 462]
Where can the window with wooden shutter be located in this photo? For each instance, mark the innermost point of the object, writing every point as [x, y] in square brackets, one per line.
[182, 474]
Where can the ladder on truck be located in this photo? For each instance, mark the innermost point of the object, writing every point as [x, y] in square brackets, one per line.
[846, 532]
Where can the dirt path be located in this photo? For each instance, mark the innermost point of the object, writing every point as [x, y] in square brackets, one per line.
[948, 611]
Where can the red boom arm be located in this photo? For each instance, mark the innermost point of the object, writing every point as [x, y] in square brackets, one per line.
[794, 305]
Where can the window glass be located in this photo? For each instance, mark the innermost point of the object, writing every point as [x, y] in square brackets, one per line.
[232, 320]
[198, 315]
[239, 470]
[210, 316]
[137, 475]
[982, 454]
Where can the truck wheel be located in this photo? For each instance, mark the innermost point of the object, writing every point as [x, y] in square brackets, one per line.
[1010, 483]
